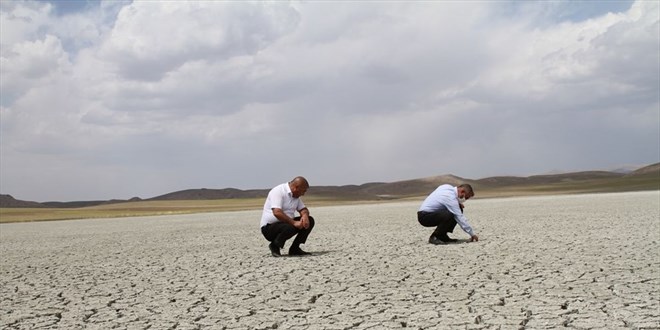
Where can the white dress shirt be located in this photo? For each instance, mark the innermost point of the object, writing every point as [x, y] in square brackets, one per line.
[280, 197]
[446, 197]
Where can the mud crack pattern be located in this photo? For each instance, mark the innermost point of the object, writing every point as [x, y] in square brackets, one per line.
[576, 262]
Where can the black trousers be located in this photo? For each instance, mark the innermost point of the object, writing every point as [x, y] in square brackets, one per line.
[443, 220]
[279, 232]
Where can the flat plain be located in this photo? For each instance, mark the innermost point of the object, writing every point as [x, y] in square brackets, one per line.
[574, 261]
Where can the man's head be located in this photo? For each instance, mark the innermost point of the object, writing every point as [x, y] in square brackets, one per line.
[299, 186]
[465, 191]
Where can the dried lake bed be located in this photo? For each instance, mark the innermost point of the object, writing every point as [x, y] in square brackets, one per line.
[572, 261]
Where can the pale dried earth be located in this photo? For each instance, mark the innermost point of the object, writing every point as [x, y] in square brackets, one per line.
[579, 262]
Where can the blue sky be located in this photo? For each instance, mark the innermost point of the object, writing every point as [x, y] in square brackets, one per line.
[67, 7]
[116, 99]
[563, 11]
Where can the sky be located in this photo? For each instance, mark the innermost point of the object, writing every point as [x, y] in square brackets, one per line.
[121, 99]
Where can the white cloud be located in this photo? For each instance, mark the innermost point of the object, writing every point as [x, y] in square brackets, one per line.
[21, 21]
[147, 97]
[150, 39]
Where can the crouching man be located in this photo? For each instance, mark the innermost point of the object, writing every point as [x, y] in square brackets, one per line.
[278, 223]
[443, 209]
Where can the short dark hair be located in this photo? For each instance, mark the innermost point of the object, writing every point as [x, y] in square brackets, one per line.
[300, 181]
[468, 188]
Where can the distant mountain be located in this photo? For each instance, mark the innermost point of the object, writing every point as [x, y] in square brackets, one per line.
[500, 181]
[201, 194]
[653, 169]
[77, 204]
[9, 201]
[645, 178]
[623, 170]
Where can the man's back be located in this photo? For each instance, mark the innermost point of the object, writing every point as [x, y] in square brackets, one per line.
[439, 199]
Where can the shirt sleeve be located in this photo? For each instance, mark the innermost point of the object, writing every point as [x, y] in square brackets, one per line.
[276, 200]
[301, 205]
[455, 209]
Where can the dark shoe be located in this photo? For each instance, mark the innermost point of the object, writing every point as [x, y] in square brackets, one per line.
[436, 241]
[297, 252]
[274, 250]
[446, 239]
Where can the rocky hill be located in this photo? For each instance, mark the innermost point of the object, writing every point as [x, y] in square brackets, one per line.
[503, 181]
[204, 193]
[9, 201]
[653, 169]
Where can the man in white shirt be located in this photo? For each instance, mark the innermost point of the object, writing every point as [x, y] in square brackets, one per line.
[443, 209]
[278, 223]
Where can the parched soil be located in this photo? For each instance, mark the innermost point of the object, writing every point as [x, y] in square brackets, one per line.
[579, 262]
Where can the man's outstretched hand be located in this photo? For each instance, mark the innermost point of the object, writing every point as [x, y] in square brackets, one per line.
[474, 238]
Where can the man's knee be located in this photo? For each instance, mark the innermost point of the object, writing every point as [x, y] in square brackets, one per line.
[272, 231]
[311, 221]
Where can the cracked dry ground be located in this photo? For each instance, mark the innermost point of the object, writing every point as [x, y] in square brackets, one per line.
[580, 262]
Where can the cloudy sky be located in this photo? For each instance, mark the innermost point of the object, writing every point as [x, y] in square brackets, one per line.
[116, 99]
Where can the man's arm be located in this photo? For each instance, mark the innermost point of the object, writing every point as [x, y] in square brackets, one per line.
[473, 237]
[457, 210]
[280, 215]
